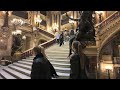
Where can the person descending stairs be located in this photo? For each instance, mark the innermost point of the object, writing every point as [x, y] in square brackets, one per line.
[58, 57]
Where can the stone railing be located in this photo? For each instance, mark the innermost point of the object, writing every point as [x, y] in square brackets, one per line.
[107, 28]
[29, 52]
[46, 33]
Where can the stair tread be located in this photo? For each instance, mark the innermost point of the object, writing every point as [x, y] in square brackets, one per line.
[63, 74]
[50, 59]
[6, 75]
[22, 76]
[60, 63]
[21, 69]
[23, 62]
[61, 68]
[21, 65]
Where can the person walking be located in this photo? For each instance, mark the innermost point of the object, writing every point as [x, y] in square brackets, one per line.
[40, 66]
[52, 70]
[61, 39]
[57, 35]
[77, 61]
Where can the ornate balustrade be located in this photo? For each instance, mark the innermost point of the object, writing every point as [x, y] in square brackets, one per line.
[105, 32]
[29, 52]
[107, 28]
[46, 33]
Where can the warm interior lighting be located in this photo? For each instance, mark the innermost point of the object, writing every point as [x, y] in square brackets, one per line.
[55, 26]
[38, 19]
[24, 37]
[99, 12]
[71, 21]
[108, 67]
[17, 21]
[17, 32]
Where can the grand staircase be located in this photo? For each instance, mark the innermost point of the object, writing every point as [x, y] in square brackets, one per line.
[22, 69]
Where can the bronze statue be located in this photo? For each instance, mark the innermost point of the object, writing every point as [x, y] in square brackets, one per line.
[86, 31]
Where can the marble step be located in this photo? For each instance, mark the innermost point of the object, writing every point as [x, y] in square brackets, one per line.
[54, 63]
[22, 66]
[52, 60]
[65, 65]
[63, 74]
[21, 70]
[58, 49]
[57, 52]
[62, 71]
[16, 74]
[57, 57]
[25, 63]
[63, 77]
[61, 68]
[6, 75]
[57, 67]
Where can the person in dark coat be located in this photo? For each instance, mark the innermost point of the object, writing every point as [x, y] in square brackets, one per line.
[52, 70]
[40, 66]
[61, 39]
[77, 64]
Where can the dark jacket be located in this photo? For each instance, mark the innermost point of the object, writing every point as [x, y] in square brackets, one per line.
[52, 70]
[40, 68]
[76, 72]
[75, 66]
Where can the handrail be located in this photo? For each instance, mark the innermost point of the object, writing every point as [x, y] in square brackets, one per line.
[46, 33]
[29, 52]
[106, 20]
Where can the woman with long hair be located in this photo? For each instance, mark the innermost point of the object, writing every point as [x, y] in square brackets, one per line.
[76, 61]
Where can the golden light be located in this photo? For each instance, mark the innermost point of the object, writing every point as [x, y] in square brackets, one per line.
[1, 40]
[71, 21]
[106, 66]
[9, 12]
[55, 26]
[24, 37]
[16, 32]
[37, 19]
[99, 12]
